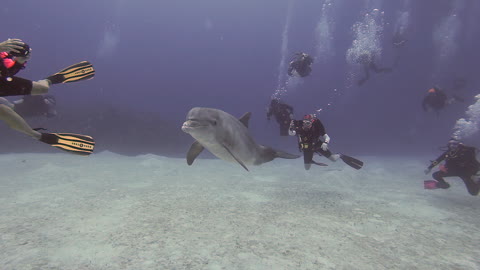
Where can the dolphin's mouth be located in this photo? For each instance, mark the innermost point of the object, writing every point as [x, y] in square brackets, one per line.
[190, 125]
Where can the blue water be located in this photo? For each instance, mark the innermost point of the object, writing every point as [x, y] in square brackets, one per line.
[156, 60]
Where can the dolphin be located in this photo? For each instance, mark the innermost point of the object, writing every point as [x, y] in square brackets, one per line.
[227, 138]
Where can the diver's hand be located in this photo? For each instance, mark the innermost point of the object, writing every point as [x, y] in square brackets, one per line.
[324, 146]
[11, 45]
[427, 170]
[326, 138]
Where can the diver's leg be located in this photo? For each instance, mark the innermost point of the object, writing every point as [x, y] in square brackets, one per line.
[472, 187]
[40, 87]
[15, 86]
[328, 154]
[367, 76]
[439, 177]
[16, 122]
[307, 158]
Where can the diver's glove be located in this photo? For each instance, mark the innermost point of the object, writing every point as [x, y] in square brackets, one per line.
[324, 146]
[326, 138]
[292, 124]
[291, 129]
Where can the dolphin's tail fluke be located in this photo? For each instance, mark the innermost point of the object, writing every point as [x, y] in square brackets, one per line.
[281, 154]
[269, 154]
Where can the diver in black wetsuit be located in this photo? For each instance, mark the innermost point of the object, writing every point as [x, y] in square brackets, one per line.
[300, 65]
[368, 62]
[32, 106]
[398, 42]
[283, 114]
[460, 161]
[436, 100]
[309, 130]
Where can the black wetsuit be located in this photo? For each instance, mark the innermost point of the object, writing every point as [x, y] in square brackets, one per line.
[11, 85]
[282, 113]
[309, 140]
[436, 100]
[301, 65]
[369, 64]
[35, 106]
[462, 163]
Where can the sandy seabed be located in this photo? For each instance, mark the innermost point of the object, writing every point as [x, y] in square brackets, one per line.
[107, 211]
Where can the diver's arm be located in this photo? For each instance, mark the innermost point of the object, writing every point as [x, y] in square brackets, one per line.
[51, 112]
[437, 161]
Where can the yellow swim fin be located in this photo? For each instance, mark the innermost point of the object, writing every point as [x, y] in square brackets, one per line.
[73, 143]
[78, 72]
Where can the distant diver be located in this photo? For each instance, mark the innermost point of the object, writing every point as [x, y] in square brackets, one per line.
[309, 130]
[283, 114]
[398, 42]
[368, 62]
[436, 100]
[14, 54]
[459, 83]
[300, 65]
[460, 161]
[399, 39]
[33, 106]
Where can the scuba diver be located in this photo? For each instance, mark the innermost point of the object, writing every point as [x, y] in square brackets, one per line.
[398, 42]
[32, 106]
[309, 130]
[14, 54]
[436, 100]
[368, 62]
[460, 161]
[459, 83]
[283, 114]
[300, 65]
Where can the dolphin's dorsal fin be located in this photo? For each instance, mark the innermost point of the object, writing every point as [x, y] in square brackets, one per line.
[244, 119]
[238, 160]
[193, 152]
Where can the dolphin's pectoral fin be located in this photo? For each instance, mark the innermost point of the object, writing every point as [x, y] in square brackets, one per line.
[245, 118]
[238, 160]
[193, 152]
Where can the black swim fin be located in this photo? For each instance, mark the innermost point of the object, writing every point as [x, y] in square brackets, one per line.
[319, 163]
[352, 162]
[73, 143]
[78, 72]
